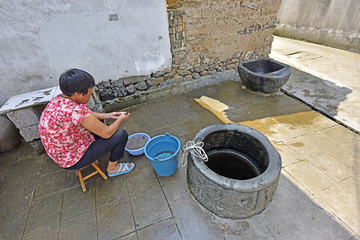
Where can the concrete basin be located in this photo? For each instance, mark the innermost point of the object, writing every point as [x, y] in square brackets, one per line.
[263, 75]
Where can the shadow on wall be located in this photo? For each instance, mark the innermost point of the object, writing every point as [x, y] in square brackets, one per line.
[322, 95]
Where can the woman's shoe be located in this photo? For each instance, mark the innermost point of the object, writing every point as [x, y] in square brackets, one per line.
[124, 168]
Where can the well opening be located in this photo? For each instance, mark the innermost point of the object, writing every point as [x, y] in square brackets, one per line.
[240, 157]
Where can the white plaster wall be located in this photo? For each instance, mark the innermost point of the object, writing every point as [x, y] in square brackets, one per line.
[333, 23]
[342, 15]
[40, 39]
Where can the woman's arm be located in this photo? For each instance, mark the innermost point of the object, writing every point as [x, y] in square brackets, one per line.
[106, 116]
[94, 125]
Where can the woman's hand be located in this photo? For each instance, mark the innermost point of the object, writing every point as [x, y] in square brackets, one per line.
[116, 115]
[93, 124]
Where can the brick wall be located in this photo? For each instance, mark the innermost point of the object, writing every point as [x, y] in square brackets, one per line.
[206, 37]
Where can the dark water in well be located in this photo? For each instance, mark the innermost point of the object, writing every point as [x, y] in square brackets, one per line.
[231, 164]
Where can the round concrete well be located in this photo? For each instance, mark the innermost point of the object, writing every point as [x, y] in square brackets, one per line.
[241, 175]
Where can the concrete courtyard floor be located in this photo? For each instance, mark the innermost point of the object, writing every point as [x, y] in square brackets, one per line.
[318, 196]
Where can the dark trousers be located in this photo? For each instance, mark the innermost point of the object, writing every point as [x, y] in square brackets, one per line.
[116, 144]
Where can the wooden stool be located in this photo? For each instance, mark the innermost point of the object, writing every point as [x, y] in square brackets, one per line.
[82, 179]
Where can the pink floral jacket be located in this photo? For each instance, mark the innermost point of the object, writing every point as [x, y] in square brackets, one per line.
[64, 139]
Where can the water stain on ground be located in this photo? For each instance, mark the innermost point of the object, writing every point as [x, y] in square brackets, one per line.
[297, 144]
[267, 125]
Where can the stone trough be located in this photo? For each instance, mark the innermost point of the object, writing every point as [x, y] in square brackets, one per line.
[263, 75]
[241, 175]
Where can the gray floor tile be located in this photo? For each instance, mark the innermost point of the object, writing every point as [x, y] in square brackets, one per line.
[7, 159]
[12, 229]
[21, 175]
[288, 216]
[44, 214]
[176, 114]
[71, 180]
[17, 186]
[115, 220]
[131, 236]
[43, 233]
[50, 183]
[150, 207]
[76, 201]
[237, 229]
[175, 186]
[49, 166]
[111, 190]
[194, 222]
[185, 127]
[142, 178]
[163, 230]
[82, 226]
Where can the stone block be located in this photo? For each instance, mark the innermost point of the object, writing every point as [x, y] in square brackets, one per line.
[204, 73]
[188, 78]
[136, 79]
[26, 116]
[160, 73]
[106, 94]
[168, 76]
[30, 133]
[141, 86]
[104, 84]
[179, 79]
[178, 13]
[195, 75]
[201, 68]
[212, 72]
[131, 89]
[183, 72]
[118, 83]
[231, 66]
[119, 92]
[156, 81]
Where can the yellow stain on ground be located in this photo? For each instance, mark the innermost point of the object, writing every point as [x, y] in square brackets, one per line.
[215, 106]
[276, 126]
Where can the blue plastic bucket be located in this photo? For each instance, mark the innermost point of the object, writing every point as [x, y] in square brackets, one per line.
[162, 151]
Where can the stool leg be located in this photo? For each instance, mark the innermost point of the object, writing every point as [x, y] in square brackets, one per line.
[81, 181]
[99, 171]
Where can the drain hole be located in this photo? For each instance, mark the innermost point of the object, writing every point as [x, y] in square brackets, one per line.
[243, 202]
[231, 164]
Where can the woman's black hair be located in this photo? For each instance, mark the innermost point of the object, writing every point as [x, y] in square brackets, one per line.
[75, 80]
